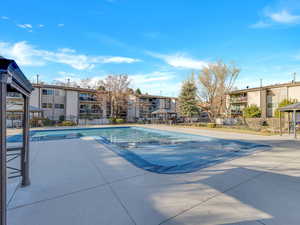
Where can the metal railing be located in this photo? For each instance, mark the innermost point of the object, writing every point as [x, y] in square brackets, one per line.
[238, 99]
[12, 155]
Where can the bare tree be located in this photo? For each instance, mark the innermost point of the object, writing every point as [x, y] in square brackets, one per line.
[216, 80]
[117, 87]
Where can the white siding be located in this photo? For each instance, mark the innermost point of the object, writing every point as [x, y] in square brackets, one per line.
[253, 98]
[34, 98]
[132, 110]
[71, 105]
[294, 93]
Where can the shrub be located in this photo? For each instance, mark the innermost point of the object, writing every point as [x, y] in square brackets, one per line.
[252, 111]
[67, 123]
[120, 120]
[48, 122]
[211, 125]
[112, 120]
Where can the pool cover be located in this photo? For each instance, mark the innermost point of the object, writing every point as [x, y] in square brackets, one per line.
[155, 150]
[165, 159]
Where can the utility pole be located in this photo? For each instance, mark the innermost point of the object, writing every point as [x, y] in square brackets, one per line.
[294, 77]
[37, 79]
[261, 82]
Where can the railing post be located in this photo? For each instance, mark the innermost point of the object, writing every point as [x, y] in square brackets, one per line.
[25, 151]
[3, 175]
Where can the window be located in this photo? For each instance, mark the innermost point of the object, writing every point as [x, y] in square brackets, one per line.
[47, 92]
[59, 106]
[46, 105]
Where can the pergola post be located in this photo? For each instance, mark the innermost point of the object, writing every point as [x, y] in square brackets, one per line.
[3, 176]
[25, 150]
[280, 124]
[295, 124]
[289, 123]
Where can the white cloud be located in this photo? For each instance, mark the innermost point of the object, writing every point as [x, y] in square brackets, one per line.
[260, 24]
[60, 25]
[67, 50]
[118, 59]
[4, 17]
[28, 55]
[41, 25]
[285, 17]
[180, 60]
[21, 52]
[276, 17]
[25, 26]
[156, 82]
[144, 78]
[77, 80]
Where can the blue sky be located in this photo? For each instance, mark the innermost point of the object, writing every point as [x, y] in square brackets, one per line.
[157, 43]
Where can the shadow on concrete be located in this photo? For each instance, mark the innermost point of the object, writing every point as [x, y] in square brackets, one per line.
[248, 189]
[272, 195]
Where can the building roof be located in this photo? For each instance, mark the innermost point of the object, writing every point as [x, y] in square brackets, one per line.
[290, 84]
[291, 107]
[153, 96]
[16, 79]
[70, 88]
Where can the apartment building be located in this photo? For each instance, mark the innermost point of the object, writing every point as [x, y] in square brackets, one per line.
[93, 107]
[141, 107]
[266, 97]
[84, 106]
[71, 103]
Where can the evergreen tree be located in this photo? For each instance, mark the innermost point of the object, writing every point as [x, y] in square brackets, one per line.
[138, 91]
[188, 98]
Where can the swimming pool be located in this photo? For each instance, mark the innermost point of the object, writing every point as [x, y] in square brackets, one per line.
[156, 150]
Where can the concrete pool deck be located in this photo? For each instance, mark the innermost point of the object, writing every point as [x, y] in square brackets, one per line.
[81, 182]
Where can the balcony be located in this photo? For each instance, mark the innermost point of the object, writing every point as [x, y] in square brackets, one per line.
[234, 100]
[88, 99]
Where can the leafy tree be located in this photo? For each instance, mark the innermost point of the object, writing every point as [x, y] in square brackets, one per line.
[138, 91]
[216, 80]
[188, 98]
[284, 103]
[117, 87]
[252, 111]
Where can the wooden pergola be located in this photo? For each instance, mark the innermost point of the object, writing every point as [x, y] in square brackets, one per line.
[290, 109]
[13, 80]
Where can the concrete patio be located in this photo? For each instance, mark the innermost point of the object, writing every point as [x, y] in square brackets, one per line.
[81, 182]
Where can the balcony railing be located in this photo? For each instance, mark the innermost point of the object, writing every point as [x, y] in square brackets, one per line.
[238, 100]
[89, 99]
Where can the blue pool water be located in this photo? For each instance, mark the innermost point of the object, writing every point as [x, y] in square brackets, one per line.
[155, 150]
